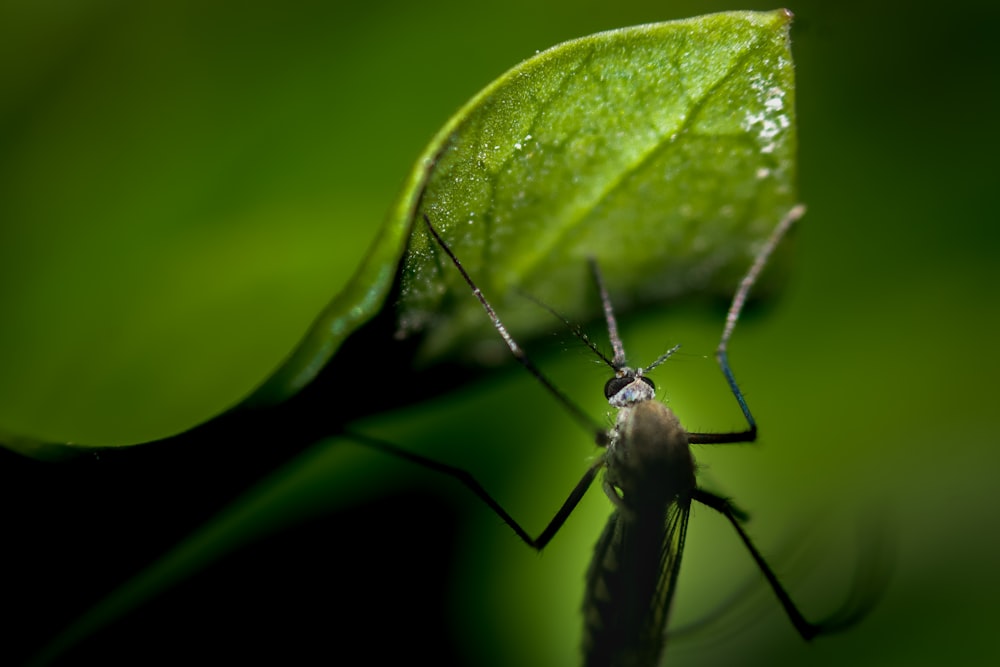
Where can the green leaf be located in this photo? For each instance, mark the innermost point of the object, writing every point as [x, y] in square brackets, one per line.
[665, 151]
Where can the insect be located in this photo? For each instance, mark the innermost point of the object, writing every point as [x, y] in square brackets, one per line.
[649, 478]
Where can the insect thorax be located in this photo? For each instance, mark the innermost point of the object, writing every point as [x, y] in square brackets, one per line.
[648, 460]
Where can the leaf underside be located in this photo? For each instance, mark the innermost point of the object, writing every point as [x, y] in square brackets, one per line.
[664, 151]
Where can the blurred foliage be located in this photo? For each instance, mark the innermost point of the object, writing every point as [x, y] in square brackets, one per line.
[255, 146]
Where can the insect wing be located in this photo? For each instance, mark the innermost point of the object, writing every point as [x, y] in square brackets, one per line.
[630, 586]
[675, 532]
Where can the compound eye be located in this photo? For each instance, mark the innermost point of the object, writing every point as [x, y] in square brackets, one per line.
[615, 385]
[648, 381]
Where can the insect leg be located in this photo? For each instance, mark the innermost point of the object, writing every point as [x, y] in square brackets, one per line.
[723, 506]
[735, 308]
[581, 417]
[473, 485]
[609, 316]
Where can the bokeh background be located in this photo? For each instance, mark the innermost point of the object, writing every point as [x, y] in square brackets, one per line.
[184, 185]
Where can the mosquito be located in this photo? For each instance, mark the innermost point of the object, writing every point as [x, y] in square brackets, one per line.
[649, 476]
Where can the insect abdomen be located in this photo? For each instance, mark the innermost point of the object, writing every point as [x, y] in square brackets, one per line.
[625, 604]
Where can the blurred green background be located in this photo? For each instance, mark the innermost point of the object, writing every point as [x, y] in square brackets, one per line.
[183, 186]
